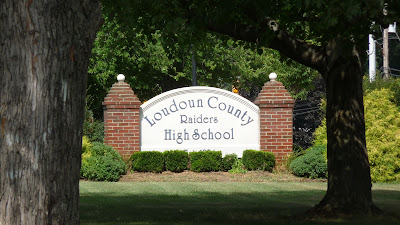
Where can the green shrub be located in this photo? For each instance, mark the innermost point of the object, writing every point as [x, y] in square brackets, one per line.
[176, 160]
[238, 167]
[103, 168]
[313, 164]
[297, 152]
[92, 128]
[96, 131]
[148, 161]
[320, 135]
[258, 160]
[382, 124]
[393, 84]
[102, 163]
[205, 161]
[228, 161]
[100, 149]
[86, 144]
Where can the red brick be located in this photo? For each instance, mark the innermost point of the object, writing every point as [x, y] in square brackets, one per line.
[121, 117]
[276, 119]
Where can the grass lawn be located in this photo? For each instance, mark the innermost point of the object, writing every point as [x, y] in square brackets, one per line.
[206, 203]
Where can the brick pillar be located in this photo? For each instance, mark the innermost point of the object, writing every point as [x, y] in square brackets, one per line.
[121, 118]
[276, 119]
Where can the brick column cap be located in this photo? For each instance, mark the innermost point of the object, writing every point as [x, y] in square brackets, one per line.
[274, 94]
[121, 95]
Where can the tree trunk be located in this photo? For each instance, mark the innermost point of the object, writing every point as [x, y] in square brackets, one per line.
[44, 53]
[349, 181]
[340, 62]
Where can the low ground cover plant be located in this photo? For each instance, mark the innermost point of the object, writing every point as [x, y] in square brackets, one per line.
[238, 167]
[101, 162]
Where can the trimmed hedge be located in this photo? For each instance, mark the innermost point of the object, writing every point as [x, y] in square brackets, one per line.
[148, 161]
[228, 161]
[176, 160]
[205, 161]
[101, 162]
[313, 164]
[258, 160]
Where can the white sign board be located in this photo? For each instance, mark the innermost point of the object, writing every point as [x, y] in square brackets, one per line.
[199, 118]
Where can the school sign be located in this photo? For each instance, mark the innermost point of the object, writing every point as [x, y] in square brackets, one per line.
[199, 118]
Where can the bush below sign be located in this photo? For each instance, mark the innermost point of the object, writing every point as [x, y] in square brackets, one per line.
[200, 161]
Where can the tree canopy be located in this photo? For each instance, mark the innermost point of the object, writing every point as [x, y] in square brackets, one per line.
[286, 26]
[154, 64]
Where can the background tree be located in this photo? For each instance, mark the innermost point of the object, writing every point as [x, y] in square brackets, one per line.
[339, 32]
[155, 61]
[44, 54]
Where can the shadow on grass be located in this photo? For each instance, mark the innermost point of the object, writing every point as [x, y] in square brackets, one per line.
[215, 208]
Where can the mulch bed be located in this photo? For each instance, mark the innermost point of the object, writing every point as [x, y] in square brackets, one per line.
[189, 176]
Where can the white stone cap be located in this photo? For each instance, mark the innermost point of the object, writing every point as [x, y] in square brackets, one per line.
[272, 76]
[121, 78]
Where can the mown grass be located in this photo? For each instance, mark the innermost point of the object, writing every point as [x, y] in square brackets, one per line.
[218, 203]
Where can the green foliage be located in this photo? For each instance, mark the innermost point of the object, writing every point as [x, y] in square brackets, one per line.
[320, 135]
[382, 123]
[228, 161]
[102, 163]
[155, 61]
[312, 164]
[148, 161]
[93, 128]
[315, 22]
[176, 160]
[297, 152]
[392, 84]
[99, 149]
[205, 161]
[86, 145]
[238, 167]
[258, 160]
[103, 168]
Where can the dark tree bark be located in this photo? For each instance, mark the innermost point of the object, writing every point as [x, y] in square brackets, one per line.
[44, 53]
[349, 180]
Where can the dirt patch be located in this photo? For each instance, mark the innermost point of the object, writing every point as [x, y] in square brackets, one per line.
[189, 176]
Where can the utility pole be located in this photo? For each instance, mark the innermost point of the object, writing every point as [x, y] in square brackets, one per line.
[386, 54]
[385, 47]
[194, 69]
[372, 58]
